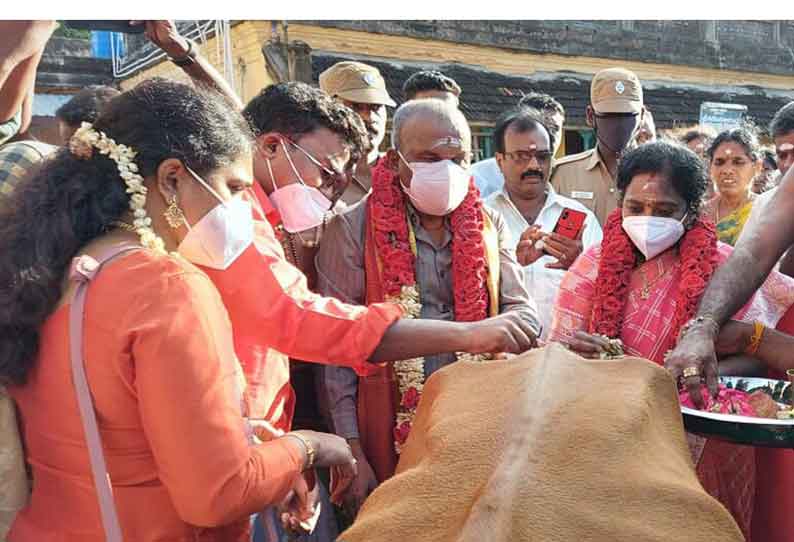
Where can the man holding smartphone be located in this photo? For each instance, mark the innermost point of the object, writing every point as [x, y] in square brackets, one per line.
[548, 230]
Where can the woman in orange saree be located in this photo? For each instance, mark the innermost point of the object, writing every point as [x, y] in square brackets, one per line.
[160, 173]
[644, 282]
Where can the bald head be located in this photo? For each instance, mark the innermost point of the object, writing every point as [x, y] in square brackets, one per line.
[416, 115]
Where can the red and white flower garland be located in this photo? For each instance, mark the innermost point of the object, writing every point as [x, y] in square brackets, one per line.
[699, 258]
[396, 248]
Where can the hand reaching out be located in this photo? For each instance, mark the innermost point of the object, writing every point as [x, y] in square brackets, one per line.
[565, 250]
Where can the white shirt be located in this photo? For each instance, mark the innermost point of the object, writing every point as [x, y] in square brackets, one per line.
[487, 176]
[541, 282]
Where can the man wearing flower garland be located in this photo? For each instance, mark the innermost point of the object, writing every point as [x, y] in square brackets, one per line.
[423, 239]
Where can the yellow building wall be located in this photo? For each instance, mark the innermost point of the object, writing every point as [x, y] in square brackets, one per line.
[250, 74]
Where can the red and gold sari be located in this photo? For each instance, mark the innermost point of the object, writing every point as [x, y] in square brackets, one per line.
[650, 324]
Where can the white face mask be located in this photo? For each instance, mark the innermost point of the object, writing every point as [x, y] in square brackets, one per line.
[652, 235]
[437, 188]
[301, 207]
[221, 235]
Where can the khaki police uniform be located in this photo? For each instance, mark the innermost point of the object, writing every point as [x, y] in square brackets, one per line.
[359, 83]
[356, 82]
[584, 177]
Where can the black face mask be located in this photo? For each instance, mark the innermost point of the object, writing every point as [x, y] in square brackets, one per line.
[616, 132]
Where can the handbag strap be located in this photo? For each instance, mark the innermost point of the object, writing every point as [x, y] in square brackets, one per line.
[84, 269]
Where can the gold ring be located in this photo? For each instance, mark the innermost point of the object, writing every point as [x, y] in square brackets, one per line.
[689, 372]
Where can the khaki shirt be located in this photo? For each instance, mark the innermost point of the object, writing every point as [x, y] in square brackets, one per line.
[585, 178]
[360, 185]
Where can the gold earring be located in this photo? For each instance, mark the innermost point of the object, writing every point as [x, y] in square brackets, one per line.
[174, 215]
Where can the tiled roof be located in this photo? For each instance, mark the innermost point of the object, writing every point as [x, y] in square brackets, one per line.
[487, 94]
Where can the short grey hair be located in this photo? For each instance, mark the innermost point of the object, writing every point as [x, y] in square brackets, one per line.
[439, 110]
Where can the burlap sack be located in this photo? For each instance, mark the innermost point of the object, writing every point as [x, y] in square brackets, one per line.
[546, 447]
[13, 478]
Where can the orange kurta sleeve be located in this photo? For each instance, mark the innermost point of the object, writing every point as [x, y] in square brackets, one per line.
[269, 299]
[186, 384]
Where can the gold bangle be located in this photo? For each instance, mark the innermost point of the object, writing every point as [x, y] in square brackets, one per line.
[755, 340]
[309, 449]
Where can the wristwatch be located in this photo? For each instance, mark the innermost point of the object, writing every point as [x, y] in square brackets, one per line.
[189, 58]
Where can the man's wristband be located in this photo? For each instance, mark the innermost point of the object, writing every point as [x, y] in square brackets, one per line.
[189, 58]
[755, 340]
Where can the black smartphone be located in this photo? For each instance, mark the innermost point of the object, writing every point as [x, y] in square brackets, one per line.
[112, 26]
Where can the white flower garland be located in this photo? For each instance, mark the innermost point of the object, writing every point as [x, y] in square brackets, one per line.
[81, 145]
[410, 373]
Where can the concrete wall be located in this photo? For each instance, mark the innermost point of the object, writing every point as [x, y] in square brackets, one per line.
[756, 46]
[332, 37]
[655, 50]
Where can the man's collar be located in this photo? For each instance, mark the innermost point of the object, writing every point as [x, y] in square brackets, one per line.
[552, 198]
[413, 214]
[416, 223]
[594, 159]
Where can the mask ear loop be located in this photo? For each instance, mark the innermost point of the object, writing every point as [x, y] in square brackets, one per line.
[402, 184]
[404, 160]
[249, 195]
[270, 172]
[684, 221]
[203, 183]
[292, 164]
[300, 179]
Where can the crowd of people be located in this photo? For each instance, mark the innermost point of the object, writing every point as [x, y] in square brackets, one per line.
[254, 296]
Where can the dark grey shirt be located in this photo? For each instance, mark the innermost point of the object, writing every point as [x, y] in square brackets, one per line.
[340, 273]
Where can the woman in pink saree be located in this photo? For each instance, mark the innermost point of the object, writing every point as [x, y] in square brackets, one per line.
[643, 283]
